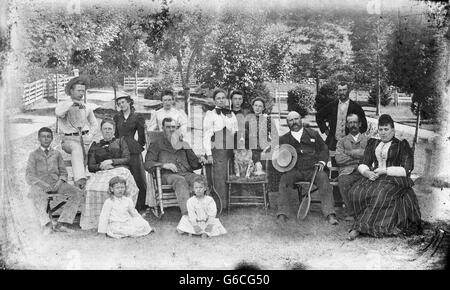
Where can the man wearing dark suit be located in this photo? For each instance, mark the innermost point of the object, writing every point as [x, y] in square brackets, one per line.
[177, 164]
[335, 113]
[311, 150]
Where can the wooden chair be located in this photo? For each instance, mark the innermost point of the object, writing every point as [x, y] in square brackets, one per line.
[332, 176]
[54, 194]
[256, 199]
[164, 194]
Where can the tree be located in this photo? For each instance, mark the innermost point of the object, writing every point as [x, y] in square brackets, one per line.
[370, 35]
[277, 55]
[234, 56]
[413, 60]
[61, 41]
[322, 50]
[179, 32]
[126, 54]
[300, 100]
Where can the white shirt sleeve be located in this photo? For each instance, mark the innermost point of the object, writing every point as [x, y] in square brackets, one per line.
[92, 120]
[131, 209]
[395, 171]
[363, 168]
[211, 208]
[62, 108]
[208, 132]
[191, 211]
[153, 124]
[182, 119]
[104, 216]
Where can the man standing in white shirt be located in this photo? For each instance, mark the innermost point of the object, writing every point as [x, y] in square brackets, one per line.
[219, 127]
[77, 124]
[349, 154]
[169, 111]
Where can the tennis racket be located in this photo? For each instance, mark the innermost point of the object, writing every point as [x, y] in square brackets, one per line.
[303, 209]
[213, 191]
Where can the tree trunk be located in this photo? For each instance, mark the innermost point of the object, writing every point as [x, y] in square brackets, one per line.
[416, 134]
[317, 84]
[378, 70]
[135, 83]
[114, 85]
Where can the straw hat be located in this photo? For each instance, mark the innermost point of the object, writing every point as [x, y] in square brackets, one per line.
[284, 157]
[85, 79]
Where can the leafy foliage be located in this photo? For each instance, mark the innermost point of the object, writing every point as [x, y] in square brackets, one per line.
[414, 60]
[153, 92]
[385, 96]
[326, 94]
[300, 100]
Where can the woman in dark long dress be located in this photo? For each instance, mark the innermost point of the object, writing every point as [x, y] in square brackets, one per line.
[127, 123]
[384, 201]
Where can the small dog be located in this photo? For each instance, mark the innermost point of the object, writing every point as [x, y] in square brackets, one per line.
[243, 163]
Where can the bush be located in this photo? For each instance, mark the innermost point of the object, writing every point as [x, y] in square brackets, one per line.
[326, 94]
[153, 92]
[301, 100]
[384, 95]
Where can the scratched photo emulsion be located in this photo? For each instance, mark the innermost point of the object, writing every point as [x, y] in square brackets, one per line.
[224, 135]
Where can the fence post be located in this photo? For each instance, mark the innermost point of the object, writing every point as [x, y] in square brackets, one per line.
[136, 83]
[57, 99]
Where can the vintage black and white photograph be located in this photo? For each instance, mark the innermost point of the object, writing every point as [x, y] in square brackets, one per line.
[224, 134]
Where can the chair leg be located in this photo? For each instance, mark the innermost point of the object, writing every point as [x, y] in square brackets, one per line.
[265, 197]
[229, 198]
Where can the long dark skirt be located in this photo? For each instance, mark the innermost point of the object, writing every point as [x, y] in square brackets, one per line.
[219, 167]
[385, 207]
[138, 172]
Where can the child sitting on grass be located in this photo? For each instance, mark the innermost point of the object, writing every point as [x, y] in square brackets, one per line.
[119, 218]
[202, 210]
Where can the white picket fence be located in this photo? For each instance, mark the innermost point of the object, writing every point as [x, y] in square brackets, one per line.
[52, 86]
[141, 82]
[34, 91]
[144, 82]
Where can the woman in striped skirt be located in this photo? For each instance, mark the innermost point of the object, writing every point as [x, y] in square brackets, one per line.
[383, 201]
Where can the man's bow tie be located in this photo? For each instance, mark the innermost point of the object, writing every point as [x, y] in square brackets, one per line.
[222, 110]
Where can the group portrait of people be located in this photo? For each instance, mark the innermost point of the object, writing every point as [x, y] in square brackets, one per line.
[110, 175]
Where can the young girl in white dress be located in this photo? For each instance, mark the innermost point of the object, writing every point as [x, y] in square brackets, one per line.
[202, 210]
[119, 218]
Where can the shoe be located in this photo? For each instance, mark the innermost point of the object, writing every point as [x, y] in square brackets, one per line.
[353, 234]
[63, 229]
[282, 218]
[331, 219]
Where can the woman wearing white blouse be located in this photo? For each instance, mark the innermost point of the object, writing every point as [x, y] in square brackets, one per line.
[384, 202]
[219, 127]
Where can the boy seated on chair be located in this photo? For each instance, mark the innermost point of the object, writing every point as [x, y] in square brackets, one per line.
[46, 174]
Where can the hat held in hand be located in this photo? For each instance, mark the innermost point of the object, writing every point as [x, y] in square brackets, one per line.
[284, 157]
